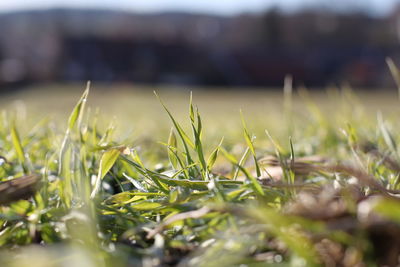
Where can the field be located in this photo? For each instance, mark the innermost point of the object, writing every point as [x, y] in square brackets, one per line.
[125, 177]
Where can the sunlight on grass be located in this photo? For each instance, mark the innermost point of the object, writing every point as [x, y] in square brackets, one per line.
[223, 178]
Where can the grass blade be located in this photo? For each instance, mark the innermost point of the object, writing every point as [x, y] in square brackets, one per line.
[107, 161]
[18, 147]
[172, 145]
[256, 185]
[75, 116]
[249, 141]
[185, 139]
[395, 73]
[77, 112]
[213, 157]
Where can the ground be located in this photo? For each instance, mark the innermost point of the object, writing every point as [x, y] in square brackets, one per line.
[249, 178]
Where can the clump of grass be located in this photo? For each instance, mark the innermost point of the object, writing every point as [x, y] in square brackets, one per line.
[324, 194]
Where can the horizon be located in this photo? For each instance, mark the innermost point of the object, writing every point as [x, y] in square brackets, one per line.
[222, 7]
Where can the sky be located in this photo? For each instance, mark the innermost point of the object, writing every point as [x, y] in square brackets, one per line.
[223, 7]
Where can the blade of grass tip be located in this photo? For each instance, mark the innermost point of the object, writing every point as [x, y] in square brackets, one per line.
[287, 171]
[185, 139]
[105, 139]
[352, 140]
[18, 147]
[106, 162]
[291, 160]
[172, 144]
[77, 113]
[83, 105]
[199, 146]
[288, 174]
[197, 136]
[278, 149]
[387, 136]
[95, 134]
[75, 116]
[288, 101]
[213, 156]
[395, 73]
[291, 150]
[241, 162]
[191, 108]
[249, 141]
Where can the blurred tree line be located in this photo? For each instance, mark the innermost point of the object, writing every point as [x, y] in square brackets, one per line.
[318, 47]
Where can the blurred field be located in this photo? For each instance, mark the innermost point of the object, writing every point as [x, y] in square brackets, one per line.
[137, 112]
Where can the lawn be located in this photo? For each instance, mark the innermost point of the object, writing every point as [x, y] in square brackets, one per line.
[122, 176]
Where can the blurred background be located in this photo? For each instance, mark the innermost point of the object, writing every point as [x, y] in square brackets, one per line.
[225, 43]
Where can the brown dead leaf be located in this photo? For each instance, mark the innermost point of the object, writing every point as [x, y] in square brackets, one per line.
[18, 188]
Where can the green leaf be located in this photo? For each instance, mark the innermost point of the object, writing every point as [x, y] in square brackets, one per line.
[388, 208]
[146, 205]
[198, 144]
[174, 195]
[387, 136]
[191, 108]
[138, 165]
[241, 162]
[292, 157]
[213, 157]
[75, 116]
[129, 196]
[18, 147]
[395, 73]
[107, 161]
[172, 145]
[185, 139]
[249, 141]
[77, 112]
[256, 185]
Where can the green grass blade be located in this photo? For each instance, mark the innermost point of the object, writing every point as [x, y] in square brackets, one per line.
[198, 145]
[241, 162]
[172, 145]
[77, 112]
[107, 161]
[75, 116]
[18, 147]
[255, 184]
[249, 141]
[213, 156]
[395, 73]
[387, 136]
[153, 176]
[185, 139]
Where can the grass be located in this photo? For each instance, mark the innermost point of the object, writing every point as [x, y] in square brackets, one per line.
[291, 180]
